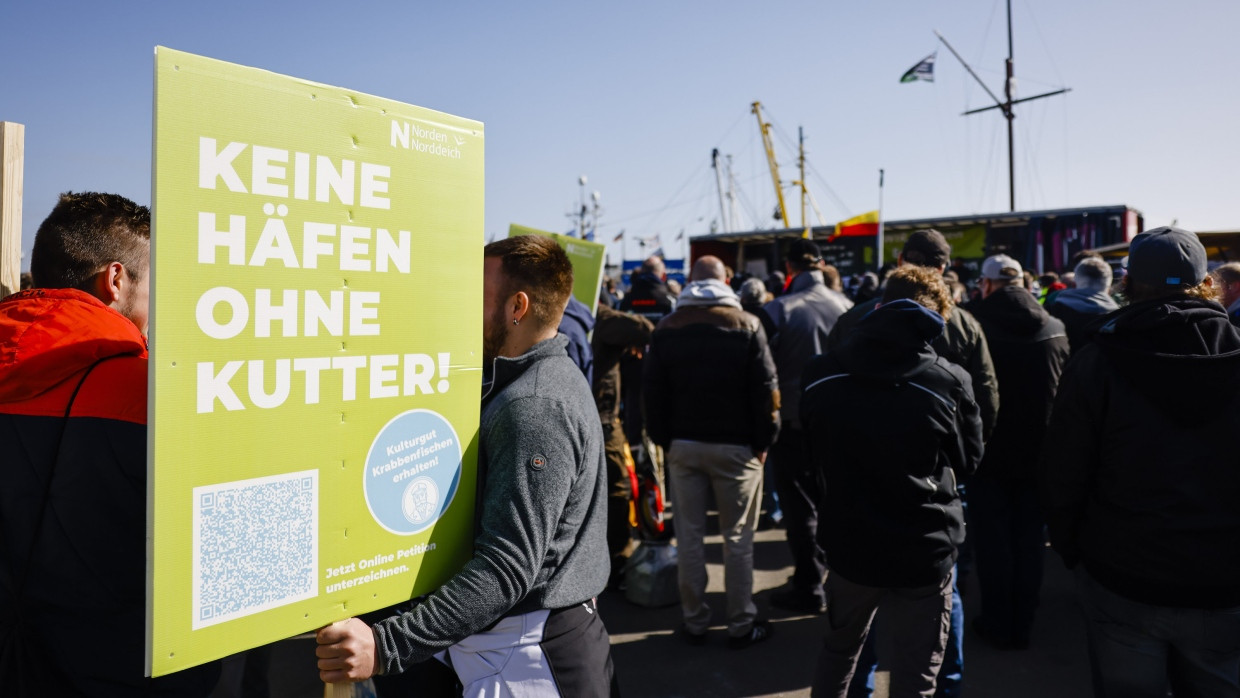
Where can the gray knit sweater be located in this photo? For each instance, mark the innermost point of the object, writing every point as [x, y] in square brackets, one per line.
[540, 539]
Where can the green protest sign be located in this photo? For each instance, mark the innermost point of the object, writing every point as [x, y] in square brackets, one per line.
[586, 257]
[315, 355]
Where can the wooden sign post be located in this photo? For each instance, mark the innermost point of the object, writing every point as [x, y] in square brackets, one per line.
[12, 146]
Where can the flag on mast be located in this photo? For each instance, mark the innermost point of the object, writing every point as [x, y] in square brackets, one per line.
[922, 71]
[619, 236]
[858, 226]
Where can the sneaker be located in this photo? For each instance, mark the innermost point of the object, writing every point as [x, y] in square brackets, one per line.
[759, 631]
[800, 602]
[691, 638]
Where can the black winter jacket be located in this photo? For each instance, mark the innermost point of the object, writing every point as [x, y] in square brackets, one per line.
[890, 425]
[73, 550]
[1080, 309]
[709, 377]
[962, 343]
[1029, 349]
[1141, 481]
[648, 297]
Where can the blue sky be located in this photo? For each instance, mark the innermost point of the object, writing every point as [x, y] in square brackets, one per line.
[636, 94]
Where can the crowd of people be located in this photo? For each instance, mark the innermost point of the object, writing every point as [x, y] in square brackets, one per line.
[898, 413]
[907, 426]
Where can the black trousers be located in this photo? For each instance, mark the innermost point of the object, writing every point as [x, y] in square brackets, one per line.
[800, 491]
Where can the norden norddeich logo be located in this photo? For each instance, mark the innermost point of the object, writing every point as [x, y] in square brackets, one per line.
[431, 141]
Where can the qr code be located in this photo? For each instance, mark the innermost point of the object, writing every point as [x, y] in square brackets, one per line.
[256, 545]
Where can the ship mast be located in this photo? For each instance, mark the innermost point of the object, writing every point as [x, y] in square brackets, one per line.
[1006, 104]
[723, 212]
[801, 162]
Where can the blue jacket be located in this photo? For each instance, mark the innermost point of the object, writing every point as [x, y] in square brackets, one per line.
[577, 324]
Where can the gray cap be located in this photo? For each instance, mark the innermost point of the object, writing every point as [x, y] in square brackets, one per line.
[1167, 256]
[1001, 267]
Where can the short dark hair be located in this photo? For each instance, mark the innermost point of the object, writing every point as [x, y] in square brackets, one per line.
[924, 285]
[537, 265]
[84, 233]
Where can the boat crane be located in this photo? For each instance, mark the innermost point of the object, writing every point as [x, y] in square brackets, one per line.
[806, 196]
[765, 128]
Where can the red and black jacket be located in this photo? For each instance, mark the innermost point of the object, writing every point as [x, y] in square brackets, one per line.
[72, 533]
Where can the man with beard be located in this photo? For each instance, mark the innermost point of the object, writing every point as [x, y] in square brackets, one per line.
[520, 616]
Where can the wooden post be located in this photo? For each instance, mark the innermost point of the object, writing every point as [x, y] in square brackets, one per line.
[12, 148]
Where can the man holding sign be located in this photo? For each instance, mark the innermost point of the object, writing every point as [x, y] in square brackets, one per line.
[73, 396]
[526, 598]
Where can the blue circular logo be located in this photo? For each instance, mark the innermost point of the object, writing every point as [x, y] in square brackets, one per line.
[412, 471]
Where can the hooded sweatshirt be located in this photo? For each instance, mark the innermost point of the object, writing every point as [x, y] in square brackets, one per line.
[709, 375]
[708, 292]
[1140, 481]
[1079, 309]
[577, 324]
[890, 426]
[88, 567]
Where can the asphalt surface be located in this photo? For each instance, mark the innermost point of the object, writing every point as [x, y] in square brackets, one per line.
[651, 660]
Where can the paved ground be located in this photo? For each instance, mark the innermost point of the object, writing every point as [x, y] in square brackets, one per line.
[653, 662]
